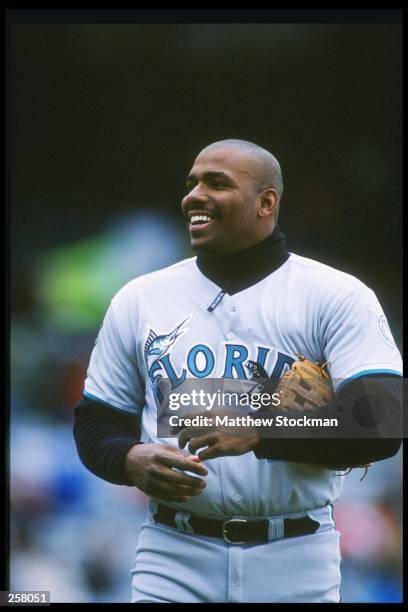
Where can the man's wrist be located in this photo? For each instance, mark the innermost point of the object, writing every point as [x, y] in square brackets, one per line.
[127, 470]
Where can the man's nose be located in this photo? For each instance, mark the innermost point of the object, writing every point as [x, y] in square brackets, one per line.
[197, 195]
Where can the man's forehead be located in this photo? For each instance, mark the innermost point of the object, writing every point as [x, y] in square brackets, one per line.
[225, 159]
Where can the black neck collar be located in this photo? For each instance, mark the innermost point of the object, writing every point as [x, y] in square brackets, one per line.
[238, 271]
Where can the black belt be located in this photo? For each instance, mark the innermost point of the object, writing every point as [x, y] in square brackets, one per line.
[237, 530]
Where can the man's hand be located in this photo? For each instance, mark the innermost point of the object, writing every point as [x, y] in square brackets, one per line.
[219, 440]
[151, 468]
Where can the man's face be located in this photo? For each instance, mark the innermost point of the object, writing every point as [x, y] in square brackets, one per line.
[222, 202]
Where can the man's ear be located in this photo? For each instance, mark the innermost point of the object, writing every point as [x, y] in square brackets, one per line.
[269, 202]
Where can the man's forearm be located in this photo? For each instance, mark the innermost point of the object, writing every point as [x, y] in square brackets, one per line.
[332, 454]
[350, 448]
[103, 438]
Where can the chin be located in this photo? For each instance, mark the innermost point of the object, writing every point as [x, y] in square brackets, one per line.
[205, 248]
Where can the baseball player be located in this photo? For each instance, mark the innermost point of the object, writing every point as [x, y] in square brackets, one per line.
[242, 518]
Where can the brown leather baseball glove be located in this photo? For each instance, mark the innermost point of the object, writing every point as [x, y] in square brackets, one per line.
[305, 386]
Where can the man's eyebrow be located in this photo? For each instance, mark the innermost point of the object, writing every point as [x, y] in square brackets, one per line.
[211, 174]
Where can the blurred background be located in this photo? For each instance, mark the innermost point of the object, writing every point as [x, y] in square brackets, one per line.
[106, 120]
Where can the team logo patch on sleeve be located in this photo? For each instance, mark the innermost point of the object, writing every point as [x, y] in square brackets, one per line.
[385, 331]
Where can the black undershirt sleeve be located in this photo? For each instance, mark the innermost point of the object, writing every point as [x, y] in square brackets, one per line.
[350, 449]
[103, 436]
[337, 454]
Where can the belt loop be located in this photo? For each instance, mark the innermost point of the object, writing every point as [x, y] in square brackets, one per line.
[276, 529]
[182, 521]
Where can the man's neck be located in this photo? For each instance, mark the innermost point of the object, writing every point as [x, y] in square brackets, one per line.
[237, 271]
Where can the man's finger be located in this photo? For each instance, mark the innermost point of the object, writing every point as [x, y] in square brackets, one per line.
[180, 479]
[184, 463]
[212, 452]
[192, 432]
[168, 496]
[175, 429]
[201, 441]
[164, 490]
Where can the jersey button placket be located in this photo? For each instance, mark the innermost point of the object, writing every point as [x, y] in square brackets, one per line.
[232, 310]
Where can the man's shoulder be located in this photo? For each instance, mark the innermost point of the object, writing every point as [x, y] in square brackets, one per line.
[159, 279]
[323, 276]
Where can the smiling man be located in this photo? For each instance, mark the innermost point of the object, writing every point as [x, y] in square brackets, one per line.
[246, 518]
[234, 189]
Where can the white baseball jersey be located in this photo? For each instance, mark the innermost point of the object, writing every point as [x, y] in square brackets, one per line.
[159, 325]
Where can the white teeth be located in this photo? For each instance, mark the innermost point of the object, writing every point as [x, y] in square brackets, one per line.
[198, 218]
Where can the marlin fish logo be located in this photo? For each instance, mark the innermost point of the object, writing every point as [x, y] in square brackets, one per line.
[157, 346]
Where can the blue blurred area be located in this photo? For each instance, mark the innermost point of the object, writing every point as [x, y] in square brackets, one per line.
[64, 520]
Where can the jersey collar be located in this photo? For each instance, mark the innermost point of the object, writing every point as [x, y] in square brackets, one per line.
[240, 270]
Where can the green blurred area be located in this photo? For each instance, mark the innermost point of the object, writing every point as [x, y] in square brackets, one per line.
[76, 286]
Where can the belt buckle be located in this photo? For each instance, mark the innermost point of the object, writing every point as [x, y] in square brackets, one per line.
[225, 529]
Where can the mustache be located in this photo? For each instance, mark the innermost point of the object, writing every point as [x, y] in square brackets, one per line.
[200, 208]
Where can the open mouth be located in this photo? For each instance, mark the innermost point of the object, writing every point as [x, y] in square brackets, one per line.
[200, 222]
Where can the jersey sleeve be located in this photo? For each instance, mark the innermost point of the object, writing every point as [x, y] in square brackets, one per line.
[113, 375]
[357, 339]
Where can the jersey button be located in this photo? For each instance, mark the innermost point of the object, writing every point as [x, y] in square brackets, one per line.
[230, 335]
[233, 308]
